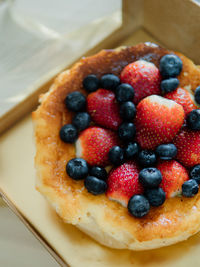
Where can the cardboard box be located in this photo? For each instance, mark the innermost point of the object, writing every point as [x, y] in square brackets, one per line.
[176, 25]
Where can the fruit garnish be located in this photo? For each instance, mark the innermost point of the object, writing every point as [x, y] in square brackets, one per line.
[170, 66]
[150, 177]
[184, 98]
[157, 121]
[77, 168]
[123, 183]
[197, 95]
[95, 185]
[109, 81]
[166, 151]
[91, 83]
[138, 206]
[188, 145]
[75, 101]
[104, 109]
[144, 77]
[195, 173]
[193, 120]
[68, 133]
[155, 196]
[169, 85]
[116, 155]
[173, 176]
[190, 188]
[147, 158]
[94, 144]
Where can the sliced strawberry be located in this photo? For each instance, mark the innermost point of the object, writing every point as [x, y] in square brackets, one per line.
[157, 121]
[173, 176]
[123, 183]
[104, 109]
[188, 145]
[184, 98]
[94, 144]
[144, 77]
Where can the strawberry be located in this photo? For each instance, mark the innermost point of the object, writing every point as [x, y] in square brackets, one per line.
[173, 176]
[104, 109]
[123, 183]
[144, 77]
[157, 121]
[188, 145]
[94, 144]
[184, 98]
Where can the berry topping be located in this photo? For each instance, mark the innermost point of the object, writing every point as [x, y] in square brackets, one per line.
[182, 97]
[190, 188]
[109, 81]
[166, 151]
[127, 111]
[94, 144]
[169, 85]
[123, 182]
[147, 158]
[157, 121]
[195, 173]
[91, 83]
[81, 120]
[124, 92]
[68, 133]
[75, 101]
[95, 185]
[116, 155]
[197, 95]
[144, 77]
[173, 176]
[131, 150]
[188, 146]
[138, 206]
[193, 119]
[104, 109]
[77, 168]
[170, 66]
[150, 177]
[126, 131]
[98, 172]
[155, 196]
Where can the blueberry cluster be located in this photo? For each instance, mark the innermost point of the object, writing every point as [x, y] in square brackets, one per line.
[149, 176]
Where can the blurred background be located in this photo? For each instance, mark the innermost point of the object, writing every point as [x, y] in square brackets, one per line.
[37, 40]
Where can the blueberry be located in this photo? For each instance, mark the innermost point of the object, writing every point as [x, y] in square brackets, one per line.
[195, 173]
[99, 172]
[77, 168]
[166, 151]
[124, 92]
[150, 177]
[91, 83]
[138, 206]
[116, 155]
[75, 101]
[147, 158]
[169, 85]
[170, 66]
[126, 131]
[95, 185]
[109, 81]
[131, 150]
[81, 120]
[190, 188]
[156, 196]
[68, 133]
[127, 111]
[197, 95]
[193, 119]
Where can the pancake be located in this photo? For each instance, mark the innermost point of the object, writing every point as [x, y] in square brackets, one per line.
[106, 221]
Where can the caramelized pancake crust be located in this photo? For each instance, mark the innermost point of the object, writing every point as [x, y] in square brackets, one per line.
[106, 221]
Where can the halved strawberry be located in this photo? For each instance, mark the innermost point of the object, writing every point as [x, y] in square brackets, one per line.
[104, 109]
[188, 145]
[157, 121]
[123, 183]
[144, 77]
[94, 144]
[184, 98]
[173, 176]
